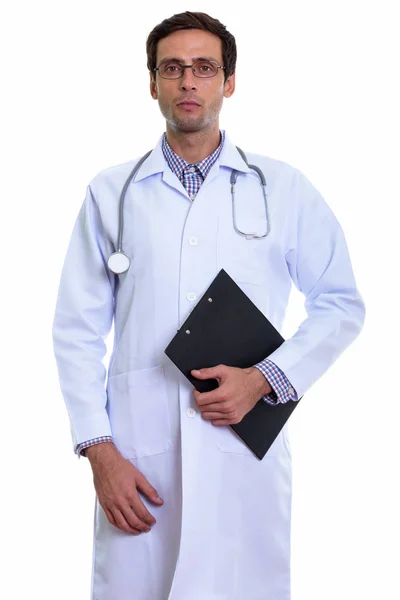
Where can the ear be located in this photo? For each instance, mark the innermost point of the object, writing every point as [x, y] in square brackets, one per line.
[229, 86]
[153, 88]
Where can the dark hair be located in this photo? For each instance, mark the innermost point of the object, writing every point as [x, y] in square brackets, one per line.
[192, 20]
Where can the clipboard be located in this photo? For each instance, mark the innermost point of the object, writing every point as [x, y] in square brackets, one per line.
[226, 327]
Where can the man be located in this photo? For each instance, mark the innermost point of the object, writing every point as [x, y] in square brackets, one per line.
[184, 510]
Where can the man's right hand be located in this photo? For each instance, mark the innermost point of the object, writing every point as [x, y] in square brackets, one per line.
[117, 482]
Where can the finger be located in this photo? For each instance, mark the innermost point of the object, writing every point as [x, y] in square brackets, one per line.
[140, 511]
[215, 415]
[114, 523]
[109, 516]
[217, 372]
[133, 519]
[148, 490]
[212, 397]
[221, 422]
[122, 523]
[219, 407]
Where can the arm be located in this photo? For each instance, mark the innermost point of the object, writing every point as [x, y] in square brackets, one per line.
[82, 321]
[319, 264]
[80, 449]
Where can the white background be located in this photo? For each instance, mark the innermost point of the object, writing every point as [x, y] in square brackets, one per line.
[316, 87]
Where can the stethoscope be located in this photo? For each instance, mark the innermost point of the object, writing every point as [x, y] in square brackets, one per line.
[119, 262]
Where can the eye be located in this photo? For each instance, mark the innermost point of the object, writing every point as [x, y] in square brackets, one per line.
[171, 67]
[205, 68]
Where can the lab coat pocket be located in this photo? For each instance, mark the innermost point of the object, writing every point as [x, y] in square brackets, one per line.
[242, 259]
[247, 274]
[138, 412]
[229, 441]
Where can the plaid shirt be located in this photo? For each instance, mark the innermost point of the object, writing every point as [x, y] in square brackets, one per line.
[192, 176]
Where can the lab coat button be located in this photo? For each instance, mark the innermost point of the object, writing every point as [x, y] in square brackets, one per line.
[191, 296]
[193, 241]
[191, 412]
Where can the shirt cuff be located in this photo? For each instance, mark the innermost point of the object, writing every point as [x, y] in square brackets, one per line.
[80, 449]
[282, 389]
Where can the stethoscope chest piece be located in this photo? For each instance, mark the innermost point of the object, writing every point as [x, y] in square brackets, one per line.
[118, 263]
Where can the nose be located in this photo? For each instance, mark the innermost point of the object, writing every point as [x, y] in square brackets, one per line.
[188, 80]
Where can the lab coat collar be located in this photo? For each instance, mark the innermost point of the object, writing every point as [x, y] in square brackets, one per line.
[231, 158]
[156, 163]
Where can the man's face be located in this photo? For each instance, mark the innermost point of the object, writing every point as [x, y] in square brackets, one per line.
[186, 46]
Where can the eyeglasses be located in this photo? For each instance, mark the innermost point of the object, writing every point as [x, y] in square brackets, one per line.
[201, 68]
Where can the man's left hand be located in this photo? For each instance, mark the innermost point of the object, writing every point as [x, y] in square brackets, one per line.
[239, 390]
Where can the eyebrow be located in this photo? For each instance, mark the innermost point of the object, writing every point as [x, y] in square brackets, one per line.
[170, 58]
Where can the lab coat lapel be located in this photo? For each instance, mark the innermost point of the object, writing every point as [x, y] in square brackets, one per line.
[172, 180]
[156, 163]
[230, 158]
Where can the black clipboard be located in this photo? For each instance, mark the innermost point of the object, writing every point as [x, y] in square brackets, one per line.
[226, 327]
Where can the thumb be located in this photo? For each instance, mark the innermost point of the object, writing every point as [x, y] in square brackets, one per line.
[208, 373]
[148, 490]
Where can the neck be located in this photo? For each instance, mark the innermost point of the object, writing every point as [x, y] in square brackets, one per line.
[194, 146]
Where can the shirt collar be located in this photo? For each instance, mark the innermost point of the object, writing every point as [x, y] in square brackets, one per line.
[177, 164]
[157, 163]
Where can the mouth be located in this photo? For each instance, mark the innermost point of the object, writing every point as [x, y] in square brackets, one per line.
[188, 105]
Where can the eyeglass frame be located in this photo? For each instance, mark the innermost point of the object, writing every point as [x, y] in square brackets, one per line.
[189, 66]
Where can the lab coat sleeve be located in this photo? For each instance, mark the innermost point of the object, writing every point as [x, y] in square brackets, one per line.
[319, 264]
[82, 320]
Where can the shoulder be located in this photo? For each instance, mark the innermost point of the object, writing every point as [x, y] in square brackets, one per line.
[290, 183]
[113, 175]
[278, 173]
[273, 166]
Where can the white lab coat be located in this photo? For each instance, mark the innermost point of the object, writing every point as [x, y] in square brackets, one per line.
[223, 532]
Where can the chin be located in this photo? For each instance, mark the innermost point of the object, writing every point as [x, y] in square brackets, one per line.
[188, 125]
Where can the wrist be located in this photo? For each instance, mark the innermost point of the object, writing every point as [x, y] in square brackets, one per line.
[101, 449]
[261, 384]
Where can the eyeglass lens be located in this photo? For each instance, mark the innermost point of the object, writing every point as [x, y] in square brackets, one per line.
[201, 68]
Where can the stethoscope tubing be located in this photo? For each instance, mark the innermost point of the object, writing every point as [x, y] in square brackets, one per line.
[119, 252]
[122, 198]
